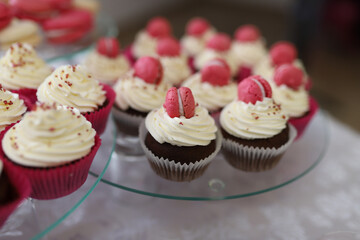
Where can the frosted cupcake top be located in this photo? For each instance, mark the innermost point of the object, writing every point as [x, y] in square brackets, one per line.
[22, 68]
[213, 87]
[143, 88]
[254, 115]
[180, 121]
[49, 136]
[72, 86]
[12, 108]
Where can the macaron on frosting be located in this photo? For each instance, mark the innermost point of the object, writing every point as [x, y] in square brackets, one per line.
[213, 87]
[72, 86]
[49, 136]
[106, 63]
[143, 88]
[22, 68]
[5, 15]
[254, 114]
[180, 121]
[12, 108]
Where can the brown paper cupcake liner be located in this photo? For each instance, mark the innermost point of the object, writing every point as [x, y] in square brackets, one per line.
[126, 123]
[173, 171]
[255, 159]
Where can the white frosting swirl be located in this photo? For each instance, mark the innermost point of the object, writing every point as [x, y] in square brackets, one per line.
[211, 97]
[72, 86]
[199, 130]
[22, 68]
[105, 69]
[210, 54]
[176, 69]
[261, 120]
[248, 53]
[135, 93]
[193, 45]
[144, 45]
[49, 137]
[11, 108]
[294, 103]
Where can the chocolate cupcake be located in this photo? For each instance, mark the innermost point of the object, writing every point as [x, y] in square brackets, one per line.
[137, 93]
[255, 129]
[180, 139]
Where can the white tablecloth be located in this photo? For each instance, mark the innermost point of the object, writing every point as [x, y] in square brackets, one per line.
[324, 201]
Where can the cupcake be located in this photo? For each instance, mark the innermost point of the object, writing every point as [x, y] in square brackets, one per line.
[289, 91]
[248, 49]
[137, 93]
[146, 40]
[179, 139]
[254, 127]
[14, 30]
[198, 31]
[14, 188]
[280, 53]
[175, 65]
[73, 86]
[54, 147]
[12, 108]
[22, 71]
[92, 6]
[218, 46]
[213, 87]
[106, 63]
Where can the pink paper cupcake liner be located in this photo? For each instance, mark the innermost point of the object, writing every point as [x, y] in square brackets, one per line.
[99, 118]
[129, 55]
[22, 188]
[191, 64]
[28, 93]
[308, 84]
[301, 123]
[244, 72]
[55, 182]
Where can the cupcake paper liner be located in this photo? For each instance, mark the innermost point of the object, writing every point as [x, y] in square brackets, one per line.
[129, 55]
[126, 123]
[55, 182]
[191, 64]
[170, 170]
[301, 123]
[255, 159]
[22, 188]
[99, 118]
[28, 93]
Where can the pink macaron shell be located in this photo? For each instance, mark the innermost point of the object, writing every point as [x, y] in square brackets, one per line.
[282, 52]
[244, 72]
[109, 47]
[5, 15]
[158, 27]
[216, 72]
[301, 123]
[171, 104]
[247, 33]
[168, 46]
[219, 42]
[289, 75]
[148, 69]
[197, 27]
[250, 92]
[188, 101]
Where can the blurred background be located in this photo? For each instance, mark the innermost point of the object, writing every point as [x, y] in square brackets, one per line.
[326, 33]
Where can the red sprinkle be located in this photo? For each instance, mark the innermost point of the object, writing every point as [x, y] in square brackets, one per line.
[60, 85]
[257, 117]
[181, 123]
[51, 129]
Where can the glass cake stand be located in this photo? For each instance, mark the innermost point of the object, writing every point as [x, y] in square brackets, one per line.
[220, 181]
[36, 218]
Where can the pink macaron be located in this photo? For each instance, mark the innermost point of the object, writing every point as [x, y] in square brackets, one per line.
[180, 102]
[219, 42]
[247, 33]
[109, 47]
[289, 75]
[149, 69]
[69, 26]
[282, 52]
[168, 46]
[5, 15]
[158, 27]
[253, 89]
[216, 72]
[197, 27]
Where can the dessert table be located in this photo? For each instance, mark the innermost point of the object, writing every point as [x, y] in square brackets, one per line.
[323, 204]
